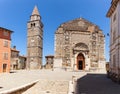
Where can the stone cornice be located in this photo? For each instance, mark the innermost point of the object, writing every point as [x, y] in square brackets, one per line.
[112, 8]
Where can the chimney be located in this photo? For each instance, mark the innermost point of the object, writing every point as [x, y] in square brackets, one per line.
[14, 47]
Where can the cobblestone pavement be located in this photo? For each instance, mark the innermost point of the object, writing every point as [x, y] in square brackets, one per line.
[49, 86]
[96, 84]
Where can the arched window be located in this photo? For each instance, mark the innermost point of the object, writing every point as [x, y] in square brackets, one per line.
[32, 24]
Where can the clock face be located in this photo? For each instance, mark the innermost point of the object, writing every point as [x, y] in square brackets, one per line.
[81, 23]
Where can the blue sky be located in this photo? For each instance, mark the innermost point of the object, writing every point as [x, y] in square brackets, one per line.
[16, 13]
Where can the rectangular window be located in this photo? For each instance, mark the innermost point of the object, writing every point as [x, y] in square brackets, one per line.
[113, 36]
[5, 56]
[5, 43]
[114, 61]
[5, 33]
[114, 17]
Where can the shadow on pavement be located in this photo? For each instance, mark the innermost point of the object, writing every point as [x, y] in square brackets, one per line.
[12, 72]
[96, 84]
[1, 87]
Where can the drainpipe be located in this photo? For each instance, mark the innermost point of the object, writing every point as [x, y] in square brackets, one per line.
[118, 45]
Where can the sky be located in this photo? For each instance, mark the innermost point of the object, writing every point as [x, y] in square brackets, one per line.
[14, 15]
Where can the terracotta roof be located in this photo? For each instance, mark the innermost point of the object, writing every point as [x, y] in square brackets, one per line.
[12, 49]
[6, 29]
[35, 11]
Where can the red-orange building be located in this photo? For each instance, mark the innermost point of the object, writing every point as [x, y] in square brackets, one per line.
[5, 51]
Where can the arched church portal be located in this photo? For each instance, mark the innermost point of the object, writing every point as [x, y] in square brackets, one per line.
[80, 62]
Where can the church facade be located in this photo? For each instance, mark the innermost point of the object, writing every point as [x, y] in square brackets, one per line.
[79, 44]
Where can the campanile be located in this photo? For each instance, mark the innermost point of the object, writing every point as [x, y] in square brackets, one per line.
[34, 40]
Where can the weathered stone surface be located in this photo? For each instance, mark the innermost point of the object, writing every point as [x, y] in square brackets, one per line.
[76, 37]
[34, 41]
[49, 86]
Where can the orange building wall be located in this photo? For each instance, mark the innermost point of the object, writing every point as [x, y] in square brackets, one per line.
[2, 51]
[5, 35]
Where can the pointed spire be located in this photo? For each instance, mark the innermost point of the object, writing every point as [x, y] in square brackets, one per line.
[35, 11]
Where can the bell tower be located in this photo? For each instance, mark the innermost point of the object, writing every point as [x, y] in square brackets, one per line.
[34, 40]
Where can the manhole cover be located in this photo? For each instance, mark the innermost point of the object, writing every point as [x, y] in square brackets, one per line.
[47, 91]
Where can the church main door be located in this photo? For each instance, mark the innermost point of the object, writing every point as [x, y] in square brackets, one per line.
[80, 65]
[80, 62]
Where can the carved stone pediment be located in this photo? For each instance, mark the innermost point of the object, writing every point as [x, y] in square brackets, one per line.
[81, 46]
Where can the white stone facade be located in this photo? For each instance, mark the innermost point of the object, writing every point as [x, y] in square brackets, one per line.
[114, 15]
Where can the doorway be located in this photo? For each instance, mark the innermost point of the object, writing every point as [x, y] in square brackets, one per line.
[80, 65]
[4, 67]
[80, 62]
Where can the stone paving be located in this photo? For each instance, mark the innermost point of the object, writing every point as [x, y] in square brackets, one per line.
[54, 82]
[21, 78]
[49, 86]
[95, 83]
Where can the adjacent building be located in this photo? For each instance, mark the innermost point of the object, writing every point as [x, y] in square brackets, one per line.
[22, 62]
[14, 58]
[17, 61]
[34, 41]
[114, 15]
[49, 61]
[79, 45]
[5, 52]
